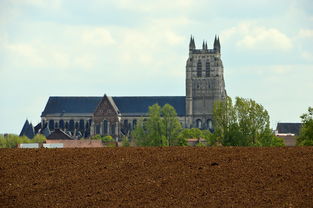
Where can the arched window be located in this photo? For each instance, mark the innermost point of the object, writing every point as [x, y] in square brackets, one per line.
[209, 124]
[125, 123]
[97, 128]
[61, 124]
[113, 126]
[71, 125]
[134, 123]
[207, 69]
[81, 125]
[105, 127]
[199, 123]
[199, 69]
[51, 124]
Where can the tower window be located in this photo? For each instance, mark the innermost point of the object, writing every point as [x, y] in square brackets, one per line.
[207, 69]
[199, 69]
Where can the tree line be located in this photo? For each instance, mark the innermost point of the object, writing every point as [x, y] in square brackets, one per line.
[244, 123]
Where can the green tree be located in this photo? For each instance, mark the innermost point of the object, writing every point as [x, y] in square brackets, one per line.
[170, 124]
[246, 123]
[38, 138]
[12, 140]
[160, 129]
[306, 132]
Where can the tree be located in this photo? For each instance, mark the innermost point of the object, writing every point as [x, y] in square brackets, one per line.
[306, 132]
[160, 129]
[170, 124]
[246, 123]
[38, 138]
[195, 133]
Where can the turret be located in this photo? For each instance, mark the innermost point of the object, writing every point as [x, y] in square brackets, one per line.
[217, 45]
[204, 46]
[192, 45]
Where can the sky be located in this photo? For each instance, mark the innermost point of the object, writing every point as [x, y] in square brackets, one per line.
[140, 48]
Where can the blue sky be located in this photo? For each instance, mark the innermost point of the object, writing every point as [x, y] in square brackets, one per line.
[140, 47]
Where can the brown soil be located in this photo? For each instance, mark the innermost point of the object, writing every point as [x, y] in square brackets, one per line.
[157, 177]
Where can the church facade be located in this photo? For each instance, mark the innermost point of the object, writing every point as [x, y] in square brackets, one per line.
[117, 116]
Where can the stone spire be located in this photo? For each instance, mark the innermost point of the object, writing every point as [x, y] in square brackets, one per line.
[192, 44]
[217, 45]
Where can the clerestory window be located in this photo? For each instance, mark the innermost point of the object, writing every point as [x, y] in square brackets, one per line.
[199, 69]
[207, 69]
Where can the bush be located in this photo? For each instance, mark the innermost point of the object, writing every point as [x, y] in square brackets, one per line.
[125, 142]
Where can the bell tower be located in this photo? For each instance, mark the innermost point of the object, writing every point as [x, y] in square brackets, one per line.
[204, 83]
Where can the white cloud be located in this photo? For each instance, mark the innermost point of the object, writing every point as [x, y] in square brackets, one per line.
[254, 37]
[97, 36]
[306, 33]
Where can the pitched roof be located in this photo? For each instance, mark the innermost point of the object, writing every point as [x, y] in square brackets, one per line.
[28, 130]
[59, 134]
[287, 128]
[59, 106]
[135, 106]
[140, 105]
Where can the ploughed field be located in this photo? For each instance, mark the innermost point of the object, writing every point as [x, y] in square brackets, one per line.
[157, 177]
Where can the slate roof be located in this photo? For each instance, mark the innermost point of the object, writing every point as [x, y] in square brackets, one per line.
[136, 106]
[28, 130]
[59, 106]
[140, 105]
[285, 128]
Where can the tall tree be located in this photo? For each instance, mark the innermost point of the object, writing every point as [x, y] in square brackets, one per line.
[306, 132]
[246, 123]
[170, 124]
[160, 129]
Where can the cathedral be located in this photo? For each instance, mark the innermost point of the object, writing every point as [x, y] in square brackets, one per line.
[81, 117]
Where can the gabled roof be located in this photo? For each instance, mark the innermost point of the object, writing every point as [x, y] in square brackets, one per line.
[140, 105]
[288, 128]
[28, 130]
[136, 106]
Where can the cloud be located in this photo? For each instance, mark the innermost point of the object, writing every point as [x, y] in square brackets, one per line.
[253, 37]
[305, 33]
[97, 36]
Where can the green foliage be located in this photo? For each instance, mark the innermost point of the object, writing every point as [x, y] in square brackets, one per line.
[160, 129]
[195, 133]
[200, 144]
[107, 139]
[12, 140]
[306, 133]
[96, 137]
[39, 138]
[246, 123]
[104, 139]
[125, 142]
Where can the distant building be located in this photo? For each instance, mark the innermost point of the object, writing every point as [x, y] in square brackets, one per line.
[116, 116]
[289, 132]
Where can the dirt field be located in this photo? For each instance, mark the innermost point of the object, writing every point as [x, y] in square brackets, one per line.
[157, 177]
